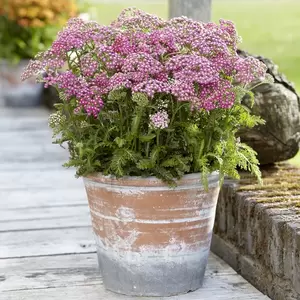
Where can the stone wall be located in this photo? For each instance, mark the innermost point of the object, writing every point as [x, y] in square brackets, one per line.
[257, 231]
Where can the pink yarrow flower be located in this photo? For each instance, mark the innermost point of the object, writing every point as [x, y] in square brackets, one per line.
[182, 59]
[159, 120]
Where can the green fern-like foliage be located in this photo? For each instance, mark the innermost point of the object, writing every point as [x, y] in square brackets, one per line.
[121, 142]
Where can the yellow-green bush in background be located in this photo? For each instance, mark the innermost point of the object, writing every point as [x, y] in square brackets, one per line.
[29, 26]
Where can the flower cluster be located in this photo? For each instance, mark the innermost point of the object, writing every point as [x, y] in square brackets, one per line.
[181, 58]
[56, 119]
[159, 120]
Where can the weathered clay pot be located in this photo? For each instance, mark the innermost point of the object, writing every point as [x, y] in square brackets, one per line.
[14, 92]
[152, 240]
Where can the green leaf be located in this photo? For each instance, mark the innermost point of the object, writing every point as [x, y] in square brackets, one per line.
[109, 132]
[170, 162]
[120, 142]
[178, 162]
[165, 175]
[155, 153]
[147, 138]
[117, 94]
[97, 163]
[170, 130]
[145, 164]
[59, 106]
[136, 120]
[117, 163]
[217, 157]
[141, 99]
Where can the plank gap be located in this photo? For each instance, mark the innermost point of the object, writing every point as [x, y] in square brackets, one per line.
[47, 206]
[41, 229]
[46, 255]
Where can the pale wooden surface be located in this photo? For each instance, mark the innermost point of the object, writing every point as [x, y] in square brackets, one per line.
[46, 242]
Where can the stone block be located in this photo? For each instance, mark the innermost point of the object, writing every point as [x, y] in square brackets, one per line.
[226, 251]
[258, 231]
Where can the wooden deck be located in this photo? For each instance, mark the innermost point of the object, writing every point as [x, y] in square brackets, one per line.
[46, 243]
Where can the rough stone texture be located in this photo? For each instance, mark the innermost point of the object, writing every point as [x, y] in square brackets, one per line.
[257, 231]
[199, 10]
[279, 105]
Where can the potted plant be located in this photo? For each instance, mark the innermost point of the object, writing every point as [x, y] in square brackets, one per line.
[150, 110]
[26, 28]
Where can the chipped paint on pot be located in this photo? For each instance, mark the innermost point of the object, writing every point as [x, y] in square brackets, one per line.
[152, 240]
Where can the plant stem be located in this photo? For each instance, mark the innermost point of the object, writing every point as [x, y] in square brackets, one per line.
[121, 119]
[174, 108]
[69, 63]
[201, 149]
[147, 149]
[256, 85]
[210, 130]
[127, 119]
[148, 143]
[208, 143]
[157, 137]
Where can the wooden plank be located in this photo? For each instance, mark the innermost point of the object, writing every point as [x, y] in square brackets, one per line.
[68, 270]
[21, 157]
[229, 287]
[31, 149]
[41, 264]
[46, 242]
[43, 165]
[23, 154]
[33, 137]
[51, 242]
[27, 123]
[22, 199]
[37, 213]
[45, 218]
[18, 113]
[40, 179]
[49, 272]
[45, 146]
[54, 272]
[47, 223]
[30, 146]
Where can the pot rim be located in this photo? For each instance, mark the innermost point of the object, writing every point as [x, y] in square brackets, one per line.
[187, 180]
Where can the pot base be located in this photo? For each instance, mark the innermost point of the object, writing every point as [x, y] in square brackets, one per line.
[152, 274]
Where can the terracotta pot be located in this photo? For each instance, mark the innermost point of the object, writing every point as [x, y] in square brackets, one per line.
[152, 240]
[13, 91]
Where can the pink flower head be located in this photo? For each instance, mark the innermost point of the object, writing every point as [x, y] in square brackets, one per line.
[216, 95]
[159, 120]
[180, 58]
[192, 68]
[88, 65]
[151, 86]
[248, 69]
